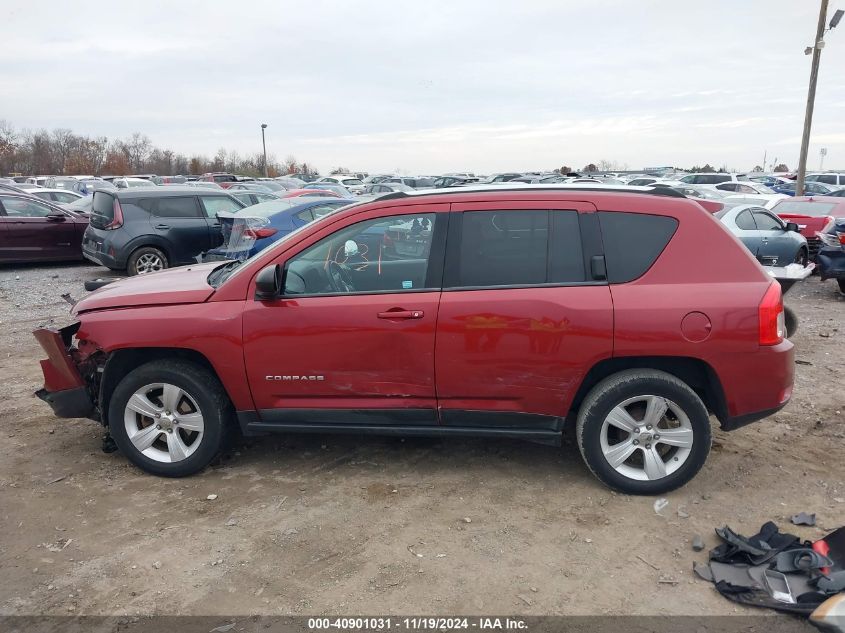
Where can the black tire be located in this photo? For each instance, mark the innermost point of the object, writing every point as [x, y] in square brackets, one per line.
[841, 282]
[614, 390]
[137, 264]
[203, 387]
[790, 321]
[802, 257]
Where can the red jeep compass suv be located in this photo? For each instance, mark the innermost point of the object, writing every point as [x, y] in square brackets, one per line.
[630, 314]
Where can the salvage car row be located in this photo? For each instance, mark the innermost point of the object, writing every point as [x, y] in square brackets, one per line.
[142, 229]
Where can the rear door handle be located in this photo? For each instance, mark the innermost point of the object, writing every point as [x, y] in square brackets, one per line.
[162, 226]
[401, 314]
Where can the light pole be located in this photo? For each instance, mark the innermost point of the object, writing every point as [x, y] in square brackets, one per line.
[264, 145]
[816, 50]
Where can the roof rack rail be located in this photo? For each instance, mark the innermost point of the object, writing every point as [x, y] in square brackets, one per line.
[649, 191]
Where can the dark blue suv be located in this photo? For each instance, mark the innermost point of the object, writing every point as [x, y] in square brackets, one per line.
[148, 229]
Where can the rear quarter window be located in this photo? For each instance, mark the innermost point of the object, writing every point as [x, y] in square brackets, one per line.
[632, 242]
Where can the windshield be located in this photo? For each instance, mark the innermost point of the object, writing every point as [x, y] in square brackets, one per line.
[804, 207]
[352, 181]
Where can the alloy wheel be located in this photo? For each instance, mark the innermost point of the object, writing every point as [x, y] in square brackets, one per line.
[148, 263]
[164, 422]
[646, 437]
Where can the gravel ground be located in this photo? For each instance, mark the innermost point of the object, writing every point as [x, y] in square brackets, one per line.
[324, 524]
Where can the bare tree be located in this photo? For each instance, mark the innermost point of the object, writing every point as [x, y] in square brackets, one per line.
[8, 147]
[63, 141]
[137, 148]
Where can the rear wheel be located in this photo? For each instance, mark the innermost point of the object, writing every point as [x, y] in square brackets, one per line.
[170, 417]
[643, 432]
[146, 260]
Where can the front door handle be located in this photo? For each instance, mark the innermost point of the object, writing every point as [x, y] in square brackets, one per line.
[401, 314]
[162, 226]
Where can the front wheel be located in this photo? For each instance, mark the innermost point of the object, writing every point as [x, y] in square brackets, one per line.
[169, 417]
[643, 432]
[802, 257]
[841, 282]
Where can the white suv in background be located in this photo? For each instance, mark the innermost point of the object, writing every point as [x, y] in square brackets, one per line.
[350, 181]
[712, 178]
[829, 178]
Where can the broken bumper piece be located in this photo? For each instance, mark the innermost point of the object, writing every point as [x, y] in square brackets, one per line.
[70, 403]
[64, 388]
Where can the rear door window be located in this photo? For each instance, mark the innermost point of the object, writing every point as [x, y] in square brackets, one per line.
[745, 221]
[633, 242]
[219, 204]
[828, 179]
[181, 207]
[518, 248]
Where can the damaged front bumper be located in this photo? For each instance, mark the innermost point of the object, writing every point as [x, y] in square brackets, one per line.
[66, 390]
[831, 261]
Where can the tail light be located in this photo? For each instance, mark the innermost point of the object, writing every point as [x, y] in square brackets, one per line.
[257, 234]
[117, 220]
[770, 313]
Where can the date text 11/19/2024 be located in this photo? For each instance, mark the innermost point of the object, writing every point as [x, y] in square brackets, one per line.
[417, 623]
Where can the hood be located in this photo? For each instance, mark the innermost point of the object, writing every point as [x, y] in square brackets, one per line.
[185, 284]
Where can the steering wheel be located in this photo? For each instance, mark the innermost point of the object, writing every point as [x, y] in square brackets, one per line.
[339, 277]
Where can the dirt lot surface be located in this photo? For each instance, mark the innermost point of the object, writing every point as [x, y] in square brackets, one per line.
[348, 525]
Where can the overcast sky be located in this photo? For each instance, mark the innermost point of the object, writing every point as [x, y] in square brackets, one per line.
[432, 87]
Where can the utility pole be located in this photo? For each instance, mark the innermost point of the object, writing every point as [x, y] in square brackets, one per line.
[818, 44]
[264, 144]
[822, 154]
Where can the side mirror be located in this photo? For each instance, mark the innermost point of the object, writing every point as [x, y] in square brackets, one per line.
[792, 226]
[268, 283]
[55, 217]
